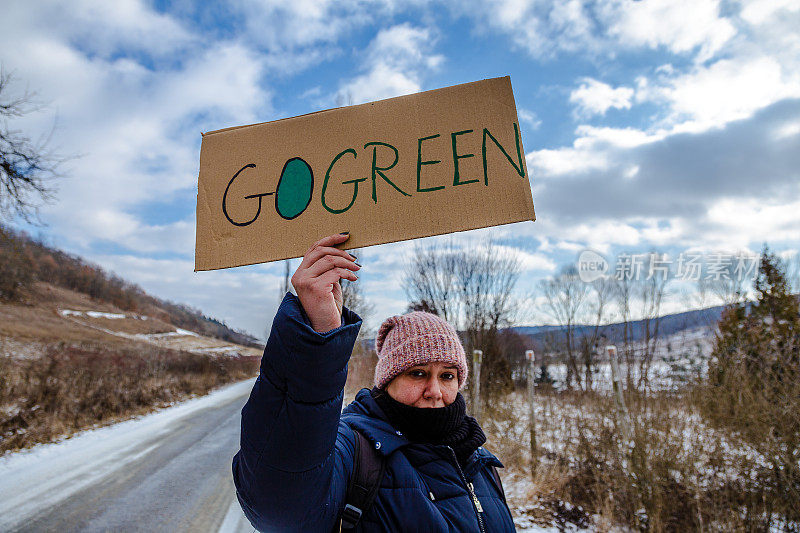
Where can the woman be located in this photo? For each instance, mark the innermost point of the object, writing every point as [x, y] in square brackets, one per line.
[297, 453]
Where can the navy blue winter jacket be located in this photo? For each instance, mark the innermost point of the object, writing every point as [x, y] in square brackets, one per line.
[297, 445]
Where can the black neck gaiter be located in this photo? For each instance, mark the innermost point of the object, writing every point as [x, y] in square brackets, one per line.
[447, 425]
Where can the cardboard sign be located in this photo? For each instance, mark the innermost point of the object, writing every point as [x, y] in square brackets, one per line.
[425, 164]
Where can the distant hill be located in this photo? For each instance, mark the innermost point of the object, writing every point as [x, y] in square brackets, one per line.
[667, 325]
[26, 263]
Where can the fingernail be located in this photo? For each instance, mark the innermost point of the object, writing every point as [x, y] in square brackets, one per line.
[354, 257]
[345, 233]
[357, 264]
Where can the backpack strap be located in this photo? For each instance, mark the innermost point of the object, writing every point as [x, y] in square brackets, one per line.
[498, 481]
[368, 468]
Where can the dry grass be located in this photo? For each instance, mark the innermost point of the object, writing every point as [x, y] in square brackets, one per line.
[73, 387]
[677, 474]
[40, 322]
[360, 371]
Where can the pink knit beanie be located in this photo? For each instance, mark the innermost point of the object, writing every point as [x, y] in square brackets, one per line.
[416, 338]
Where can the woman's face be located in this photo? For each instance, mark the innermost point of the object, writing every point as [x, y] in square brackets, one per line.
[430, 385]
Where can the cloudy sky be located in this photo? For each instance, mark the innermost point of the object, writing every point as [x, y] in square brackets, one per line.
[666, 125]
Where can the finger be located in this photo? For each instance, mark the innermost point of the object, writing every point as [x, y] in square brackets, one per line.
[317, 253]
[334, 275]
[328, 262]
[330, 240]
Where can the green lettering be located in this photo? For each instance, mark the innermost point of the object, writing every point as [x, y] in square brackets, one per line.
[456, 157]
[420, 162]
[354, 182]
[520, 169]
[376, 170]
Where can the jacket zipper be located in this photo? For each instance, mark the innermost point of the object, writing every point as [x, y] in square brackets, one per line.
[476, 504]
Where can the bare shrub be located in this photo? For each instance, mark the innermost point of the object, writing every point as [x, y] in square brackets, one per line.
[676, 474]
[75, 387]
[16, 269]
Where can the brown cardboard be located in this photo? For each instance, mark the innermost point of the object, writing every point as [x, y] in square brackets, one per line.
[414, 197]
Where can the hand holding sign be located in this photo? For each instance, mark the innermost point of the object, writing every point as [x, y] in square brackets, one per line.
[317, 281]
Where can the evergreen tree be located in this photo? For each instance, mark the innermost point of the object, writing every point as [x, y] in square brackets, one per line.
[754, 382]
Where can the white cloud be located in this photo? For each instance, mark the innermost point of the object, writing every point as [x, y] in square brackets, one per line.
[590, 151]
[396, 62]
[97, 28]
[599, 235]
[529, 117]
[135, 128]
[727, 90]
[735, 185]
[128, 124]
[541, 28]
[532, 261]
[277, 25]
[550, 163]
[109, 27]
[760, 11]
[595, 97]
[594, 137]
[681, 26]
[603, 28]
[738, 223]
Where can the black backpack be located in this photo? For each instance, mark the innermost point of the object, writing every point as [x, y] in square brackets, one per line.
[368, 469]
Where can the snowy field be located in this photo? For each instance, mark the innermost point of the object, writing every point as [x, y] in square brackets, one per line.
[676, 359]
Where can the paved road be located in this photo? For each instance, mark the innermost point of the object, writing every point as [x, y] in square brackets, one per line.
[169, 471]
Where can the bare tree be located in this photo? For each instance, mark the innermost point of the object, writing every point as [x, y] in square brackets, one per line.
[598, 311]
[485, 280]
[429, 279]
[473, 290]
[650, 291]
[623, 293]
[27, 167]
[729, 289]
[564, 296]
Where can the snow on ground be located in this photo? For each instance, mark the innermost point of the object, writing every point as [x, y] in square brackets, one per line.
[518, 489]
[48, 473]
[676, 359]
[99, 314]
[177, 333]
[179, 339]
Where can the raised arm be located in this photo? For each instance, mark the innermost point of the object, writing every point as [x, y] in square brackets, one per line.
[285, 470]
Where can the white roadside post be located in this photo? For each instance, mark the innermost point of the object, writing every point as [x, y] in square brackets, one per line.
[477, 359]
[531, 357]
[623, 418]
